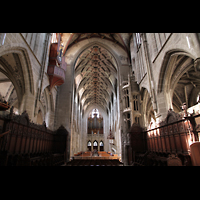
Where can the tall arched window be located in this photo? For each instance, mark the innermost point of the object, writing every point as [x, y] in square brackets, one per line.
[101, 146]
[95, 111]
[135, 102]
[126, 98]
[95, 145]
[89, 144]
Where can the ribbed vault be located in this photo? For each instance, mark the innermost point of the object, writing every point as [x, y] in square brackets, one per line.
[95, 74]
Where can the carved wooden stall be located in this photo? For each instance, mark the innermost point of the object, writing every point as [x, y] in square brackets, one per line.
[25, 143]
[168, 143]
[172, 136]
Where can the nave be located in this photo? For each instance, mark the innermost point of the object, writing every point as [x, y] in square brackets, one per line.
[64, 95]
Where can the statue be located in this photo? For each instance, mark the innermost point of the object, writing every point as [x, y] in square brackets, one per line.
[184, 107]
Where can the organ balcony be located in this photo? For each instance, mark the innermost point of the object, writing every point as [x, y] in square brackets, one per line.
[57, 66]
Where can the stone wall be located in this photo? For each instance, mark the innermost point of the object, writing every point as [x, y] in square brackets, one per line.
[159, 48]
[32, 50]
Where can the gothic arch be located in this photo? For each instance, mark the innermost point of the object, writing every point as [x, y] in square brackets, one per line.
[103, 82]
[95, 143]
[147, 108]
[91, 107]
[49, 99]
[46, 104]
[72, 59]
[23, 61]
[166, 67]
[178, 78]
[41, 114]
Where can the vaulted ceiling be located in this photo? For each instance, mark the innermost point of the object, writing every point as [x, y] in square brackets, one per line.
[188, 83]
[95, 76]
[120, 39]
[95, 67]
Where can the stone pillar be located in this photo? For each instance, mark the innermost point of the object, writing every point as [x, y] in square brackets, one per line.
[163, 106]
[91, 145]
[99, 144]
[27, 105]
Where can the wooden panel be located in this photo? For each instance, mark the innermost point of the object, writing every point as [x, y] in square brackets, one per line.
[163, 144]
[25, 137]
[148, 143]
[172, 143]
[167, 143]
[17, 145]
[31, 145]
[156, 143]
[159, 145]
[12, 144]
[184, 142]
[23, 142]
[28, 139]
[178, 143]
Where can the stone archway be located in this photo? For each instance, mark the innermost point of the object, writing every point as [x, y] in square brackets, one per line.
[147, 109]
[15, 65]
[178, 82]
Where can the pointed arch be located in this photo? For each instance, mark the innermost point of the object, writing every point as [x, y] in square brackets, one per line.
[23, 61]
[168, 65]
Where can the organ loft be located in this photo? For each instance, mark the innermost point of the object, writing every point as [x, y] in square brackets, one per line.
[99, 99]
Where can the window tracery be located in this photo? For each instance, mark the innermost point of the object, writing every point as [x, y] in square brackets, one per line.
[89, 144]
[126, 98]
[95, 143]
[101, 144]
[135, 102]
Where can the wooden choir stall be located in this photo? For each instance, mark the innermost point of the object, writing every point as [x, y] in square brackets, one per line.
[166, 144]
[23, 143]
